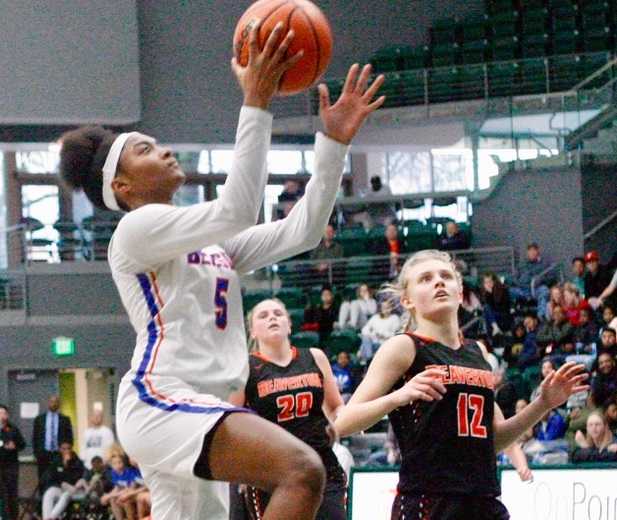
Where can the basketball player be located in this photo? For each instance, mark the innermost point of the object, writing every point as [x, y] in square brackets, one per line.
[177, 271]
[296, 389]
[438, 392]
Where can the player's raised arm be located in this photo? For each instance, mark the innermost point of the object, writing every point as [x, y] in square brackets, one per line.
[374, 398]
[302, 229]
[555, 390]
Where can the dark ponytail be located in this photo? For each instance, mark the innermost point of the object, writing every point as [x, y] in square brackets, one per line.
[82, 157]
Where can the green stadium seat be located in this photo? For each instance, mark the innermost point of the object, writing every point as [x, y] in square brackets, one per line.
[386, 59]
[297, 319]
[504, 49]
[252, 297]
[594, 62]
[307, 339]
[533, 76]
[471, 82]
[444, 54]
[475, 51]
[565, 42]
[413, 57]
[443, 31]
[503, 78]
[441, 83]
[534, 21]
[291, 296]
[499, 6]
[357, 271]
[596, 39]
[342, 341]
[474, 28]
[412, 87]
[534, 46]
[565, 72]
[70, 239]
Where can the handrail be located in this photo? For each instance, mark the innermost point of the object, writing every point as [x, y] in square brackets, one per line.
[541, 275]
[593, 76]
[599, 226]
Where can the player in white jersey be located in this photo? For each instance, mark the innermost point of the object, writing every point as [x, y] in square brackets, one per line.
[177, 272]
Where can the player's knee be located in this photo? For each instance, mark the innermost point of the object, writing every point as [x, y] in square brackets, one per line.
[309, 472]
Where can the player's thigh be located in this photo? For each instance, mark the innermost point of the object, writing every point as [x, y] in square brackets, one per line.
[246, 448]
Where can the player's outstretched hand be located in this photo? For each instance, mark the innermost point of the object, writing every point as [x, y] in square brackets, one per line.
[425, 386]
[260, 79]
[561, 384]
[343, 119]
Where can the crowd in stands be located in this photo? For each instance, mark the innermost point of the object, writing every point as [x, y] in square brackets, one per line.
[531, 323]
[99, 483]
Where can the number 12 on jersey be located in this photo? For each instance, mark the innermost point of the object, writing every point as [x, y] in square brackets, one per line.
[474, 402]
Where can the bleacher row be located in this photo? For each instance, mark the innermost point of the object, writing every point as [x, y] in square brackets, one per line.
[515, 48]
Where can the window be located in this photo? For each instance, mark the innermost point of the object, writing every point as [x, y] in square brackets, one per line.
[284, 161]
[221, 160]
[41, 203]
[189, 194]
[408, 172]
[40, 161]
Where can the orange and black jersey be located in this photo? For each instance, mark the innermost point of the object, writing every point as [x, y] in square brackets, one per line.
[292, 397]
[447, 446]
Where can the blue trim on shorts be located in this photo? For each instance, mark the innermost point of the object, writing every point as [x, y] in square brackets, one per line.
[138, 380]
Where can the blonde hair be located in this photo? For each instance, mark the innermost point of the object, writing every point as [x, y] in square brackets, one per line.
[252, 343]
[607, 438]
[394, 291]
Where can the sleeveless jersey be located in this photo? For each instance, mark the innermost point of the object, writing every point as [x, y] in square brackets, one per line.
[447, 446]
[292, 397]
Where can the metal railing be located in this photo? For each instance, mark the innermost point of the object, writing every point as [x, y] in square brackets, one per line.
[555, 269]
[373, 270]
[12, 290]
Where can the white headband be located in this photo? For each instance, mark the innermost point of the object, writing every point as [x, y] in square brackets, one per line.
[109, 170]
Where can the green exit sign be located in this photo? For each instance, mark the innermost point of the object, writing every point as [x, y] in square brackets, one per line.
[62, 346]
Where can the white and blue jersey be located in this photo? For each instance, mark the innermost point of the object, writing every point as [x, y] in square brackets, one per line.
[177, 271]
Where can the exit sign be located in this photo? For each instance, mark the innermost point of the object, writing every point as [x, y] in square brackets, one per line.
[62, 346]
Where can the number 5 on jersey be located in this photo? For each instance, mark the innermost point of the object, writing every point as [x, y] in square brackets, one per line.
[220, 303]
[465, 403]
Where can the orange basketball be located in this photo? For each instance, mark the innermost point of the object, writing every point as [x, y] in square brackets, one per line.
[312, 34]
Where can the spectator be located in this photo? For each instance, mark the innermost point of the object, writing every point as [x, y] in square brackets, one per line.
[555, 333]
[453, 238]
[608, 342]
[609, 290]
[505, 393]
[98, 480]
[598, 445]
[379, 328]
[63, 479]
[533, 266]
[610, 412]
[124, 479]
[551, 427]
[380, 213]
[11, 443]
[546, 368]
[389, 246]
[604, 383]
[496, 299]
[578, 274]
[514, 345]
[531, 353]
[597, 278]
[323, 316]
[327, 250]
[608, 316]
[576, 420]
[344, 377]
[50, 430]
[555, 298]
[96, 439]
[587, 332]
[356, 313]
[573, 304]
[292, 192]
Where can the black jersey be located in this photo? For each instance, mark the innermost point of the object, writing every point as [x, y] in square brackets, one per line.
[447, 446]
[292, 397]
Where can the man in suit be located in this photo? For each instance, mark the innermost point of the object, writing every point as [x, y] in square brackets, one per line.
[50, 430]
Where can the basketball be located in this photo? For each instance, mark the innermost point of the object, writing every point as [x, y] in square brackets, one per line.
[312, 34]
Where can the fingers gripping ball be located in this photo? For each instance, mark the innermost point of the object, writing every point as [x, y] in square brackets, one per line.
[312, 34]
